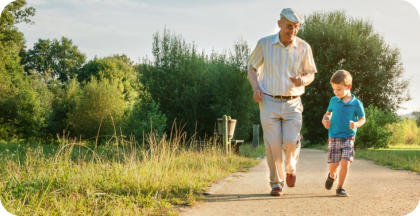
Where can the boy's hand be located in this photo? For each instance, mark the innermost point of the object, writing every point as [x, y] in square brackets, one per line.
[353, 125]
[326, 122]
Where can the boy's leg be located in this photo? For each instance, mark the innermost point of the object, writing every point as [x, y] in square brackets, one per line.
[333, 169]
[346, 159]
[334, 154]
[331, 177]
[345, 164]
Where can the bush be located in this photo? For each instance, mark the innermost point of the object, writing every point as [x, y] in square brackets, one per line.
[144, 118]
[405, 131]
[99, 110]
[375, 133]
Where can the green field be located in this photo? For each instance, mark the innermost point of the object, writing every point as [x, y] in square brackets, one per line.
[116, 179]
[396, 156]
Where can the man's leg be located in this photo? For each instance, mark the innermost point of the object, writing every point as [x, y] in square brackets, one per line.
[292, 124]
[274, 153]
[271, 125]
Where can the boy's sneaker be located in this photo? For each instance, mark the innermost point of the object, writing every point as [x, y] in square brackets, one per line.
[329, 182]
[341, 192]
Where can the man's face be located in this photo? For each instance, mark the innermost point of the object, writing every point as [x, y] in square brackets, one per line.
[288, 31]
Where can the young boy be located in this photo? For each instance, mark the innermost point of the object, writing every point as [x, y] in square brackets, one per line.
[344, 115]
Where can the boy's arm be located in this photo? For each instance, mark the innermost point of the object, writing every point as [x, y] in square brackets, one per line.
[326, 120]
[357, 124]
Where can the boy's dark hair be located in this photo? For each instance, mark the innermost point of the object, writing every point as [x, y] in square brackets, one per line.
[341, 77]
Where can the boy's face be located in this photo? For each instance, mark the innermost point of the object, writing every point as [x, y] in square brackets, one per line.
[341, 90]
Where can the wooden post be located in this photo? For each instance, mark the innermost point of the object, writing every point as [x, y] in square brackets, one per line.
[256, 135]
[225, 133]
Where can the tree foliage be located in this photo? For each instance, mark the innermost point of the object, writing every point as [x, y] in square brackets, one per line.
[117, 68]
[99, 109]
[340, 42]
[25, 102]
[195, 89]
[375, 133]
[54, 59]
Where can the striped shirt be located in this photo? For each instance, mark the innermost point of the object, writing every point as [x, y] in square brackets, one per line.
[279, 63]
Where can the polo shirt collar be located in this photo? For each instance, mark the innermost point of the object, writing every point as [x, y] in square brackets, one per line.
[276, 40]
[353, 98]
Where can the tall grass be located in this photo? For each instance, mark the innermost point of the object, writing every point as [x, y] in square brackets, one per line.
[119, 178]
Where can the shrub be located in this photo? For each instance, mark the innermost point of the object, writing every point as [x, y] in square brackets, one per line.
[375, 133]
[99, 110]
[405, 131]
[145, 118]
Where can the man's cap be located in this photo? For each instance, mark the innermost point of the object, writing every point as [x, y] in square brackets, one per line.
[291, 15]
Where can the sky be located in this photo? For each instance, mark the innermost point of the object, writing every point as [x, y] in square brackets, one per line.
[107, 27]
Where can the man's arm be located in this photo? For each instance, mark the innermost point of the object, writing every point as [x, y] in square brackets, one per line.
[253, 80]
[303, 80]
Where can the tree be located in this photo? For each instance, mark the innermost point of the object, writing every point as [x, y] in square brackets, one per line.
[416, 115]
[99, 109]
[25, 102]
[117, 68]
[340, 42]
[11, 45]
[54, 59]
[195, 89]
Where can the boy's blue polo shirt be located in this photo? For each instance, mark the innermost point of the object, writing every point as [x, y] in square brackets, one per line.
[342, 113]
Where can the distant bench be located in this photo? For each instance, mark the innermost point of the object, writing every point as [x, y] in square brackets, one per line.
[236, 144]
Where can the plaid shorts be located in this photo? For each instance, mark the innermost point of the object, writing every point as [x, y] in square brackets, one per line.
[340, 148]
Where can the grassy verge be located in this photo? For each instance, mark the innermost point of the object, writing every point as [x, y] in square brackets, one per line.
[74, 178]
[248, 150]
[401, 156]
[405, 157]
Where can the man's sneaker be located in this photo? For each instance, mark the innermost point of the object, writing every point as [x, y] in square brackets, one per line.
[341, 192]
[276, 191]
[329, 182]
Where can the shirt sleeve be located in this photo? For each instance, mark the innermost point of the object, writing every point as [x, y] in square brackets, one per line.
[308, 62]
[360, 110]
[257, 56]
[330, 105]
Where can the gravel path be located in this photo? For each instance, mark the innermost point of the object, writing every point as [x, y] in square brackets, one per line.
[374, 190]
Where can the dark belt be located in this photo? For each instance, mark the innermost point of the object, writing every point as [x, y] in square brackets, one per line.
[282, 97]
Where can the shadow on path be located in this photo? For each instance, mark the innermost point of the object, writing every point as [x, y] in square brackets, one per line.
[265, 196]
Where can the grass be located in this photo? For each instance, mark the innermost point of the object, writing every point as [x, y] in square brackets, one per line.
[405, 157]
[248, 150]
[74, 178]
[399, 156]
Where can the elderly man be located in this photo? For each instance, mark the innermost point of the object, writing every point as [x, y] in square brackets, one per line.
[287, 66]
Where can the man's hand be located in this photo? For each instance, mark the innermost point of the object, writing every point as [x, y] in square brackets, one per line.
[297, 81]
[258, 95]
